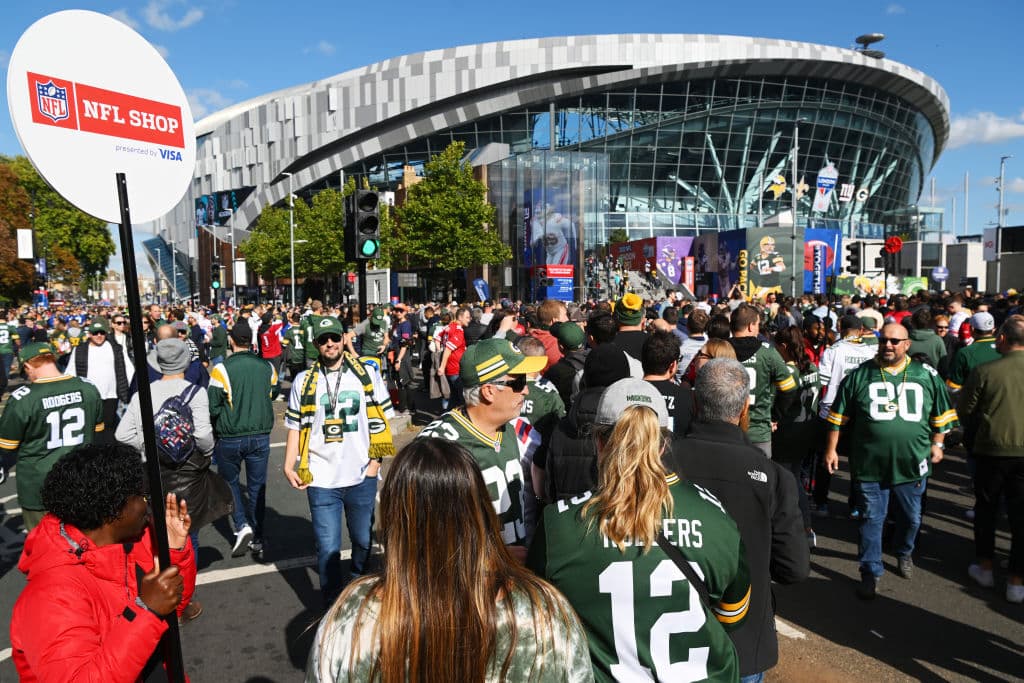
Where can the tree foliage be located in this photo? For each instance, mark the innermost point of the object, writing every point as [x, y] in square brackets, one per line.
[58, 223]
[618, 236]
[445, 219]
[15, 274]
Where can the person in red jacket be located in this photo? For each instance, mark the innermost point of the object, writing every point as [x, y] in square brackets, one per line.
[95, 605]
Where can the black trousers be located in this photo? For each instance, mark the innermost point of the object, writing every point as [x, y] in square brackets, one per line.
[109, 421]
[997, 477]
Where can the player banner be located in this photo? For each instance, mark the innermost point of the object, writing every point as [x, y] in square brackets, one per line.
[769, 253]
[730, 244]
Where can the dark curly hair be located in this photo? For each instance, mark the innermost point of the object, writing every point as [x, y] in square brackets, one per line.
[90, 486]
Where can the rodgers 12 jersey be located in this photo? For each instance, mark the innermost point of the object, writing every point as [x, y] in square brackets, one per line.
[499, 461]
[644, 621]
[890, 418]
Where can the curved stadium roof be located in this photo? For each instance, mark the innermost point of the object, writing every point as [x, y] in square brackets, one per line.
[316, 129]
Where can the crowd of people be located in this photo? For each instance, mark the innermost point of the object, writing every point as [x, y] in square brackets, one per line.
[621, 478]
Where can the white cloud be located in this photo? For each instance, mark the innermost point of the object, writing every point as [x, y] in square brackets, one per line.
[204, 101]
[895, 8]
[323, 48]
[156, 16]
[125, 18]
[1015, 185]
[983, 128]
[164, 52]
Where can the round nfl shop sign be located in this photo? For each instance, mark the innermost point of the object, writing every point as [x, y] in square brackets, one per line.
[89, 98]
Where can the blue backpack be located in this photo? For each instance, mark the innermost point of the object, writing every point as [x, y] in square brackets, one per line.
[175, 426]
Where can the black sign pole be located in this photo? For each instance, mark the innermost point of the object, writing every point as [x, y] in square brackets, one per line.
[171, 641]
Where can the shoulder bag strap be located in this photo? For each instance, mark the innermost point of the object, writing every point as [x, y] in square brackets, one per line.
[676, 556]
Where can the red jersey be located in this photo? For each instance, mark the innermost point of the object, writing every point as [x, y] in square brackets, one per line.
[454, 339]
[270, 341]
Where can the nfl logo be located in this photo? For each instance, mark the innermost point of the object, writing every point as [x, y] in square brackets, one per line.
[52, 100]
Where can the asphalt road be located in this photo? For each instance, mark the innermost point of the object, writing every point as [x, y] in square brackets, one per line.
[259, 619]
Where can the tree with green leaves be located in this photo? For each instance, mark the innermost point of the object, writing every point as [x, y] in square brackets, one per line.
[59, 224]
[445, 220]
[15, 205]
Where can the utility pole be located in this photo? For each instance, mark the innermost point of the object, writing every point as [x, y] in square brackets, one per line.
[792, 194]
[999, 221]
[291, 233]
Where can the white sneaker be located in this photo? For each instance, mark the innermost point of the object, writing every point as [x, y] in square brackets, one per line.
[242, 538]
[984, 578]
[1015, 593]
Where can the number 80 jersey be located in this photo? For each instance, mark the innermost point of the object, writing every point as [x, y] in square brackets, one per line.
[43, 422]
[644, 621]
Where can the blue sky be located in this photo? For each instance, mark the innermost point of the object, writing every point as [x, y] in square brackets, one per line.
[226, 51]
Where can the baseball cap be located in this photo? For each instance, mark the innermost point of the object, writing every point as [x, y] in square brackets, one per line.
[241, 334]
[98, 325]
[179, 326]
[629, 310]
[604, 366]
[34, 350]
[377, 316]
[489, 359]
[868, 322]
[569, 334]
[983, 322]
[328, 325]
[630, 392]
[170, 356]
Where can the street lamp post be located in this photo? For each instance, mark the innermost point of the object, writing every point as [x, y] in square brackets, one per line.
[174, 275]
[291, 233]
[793, 198]
[999, 220]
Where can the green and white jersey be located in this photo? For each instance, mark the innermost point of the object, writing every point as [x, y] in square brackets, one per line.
[643, 619]
[308, 324]
[982, 351]
[889, 416]
[294, 344]
[42, 422]
[768, 373]
[8, 335]
[500, 464]
[557, 657]
[798, 429]
[543, 407]
[371, 340]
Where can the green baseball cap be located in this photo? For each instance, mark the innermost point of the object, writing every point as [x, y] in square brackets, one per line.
[377, 316]
[98, 325]
[569, 334]
[34, 350]
[489, 359]
[328, 325]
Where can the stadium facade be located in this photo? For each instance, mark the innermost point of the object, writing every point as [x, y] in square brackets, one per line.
[690, 132]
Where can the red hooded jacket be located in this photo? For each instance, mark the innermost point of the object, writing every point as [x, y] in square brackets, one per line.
[77, 619]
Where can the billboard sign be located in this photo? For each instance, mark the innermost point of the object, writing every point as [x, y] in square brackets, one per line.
[89, 98]
[822, 246]
[216, 209]
[827, 178]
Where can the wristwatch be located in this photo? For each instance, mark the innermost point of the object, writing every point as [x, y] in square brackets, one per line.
[940, 444]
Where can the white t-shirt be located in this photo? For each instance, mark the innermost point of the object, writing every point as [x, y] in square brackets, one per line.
[339, 464]
[101, 367]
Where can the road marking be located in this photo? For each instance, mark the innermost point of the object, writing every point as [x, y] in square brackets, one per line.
[788, 630]
[218, 575]
[7, 499]
[5, 655]
[277, 444]
[11, 511]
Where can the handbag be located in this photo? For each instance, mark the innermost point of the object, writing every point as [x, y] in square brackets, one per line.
[676, 555]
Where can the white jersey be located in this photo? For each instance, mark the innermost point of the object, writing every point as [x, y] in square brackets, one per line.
[837, 361]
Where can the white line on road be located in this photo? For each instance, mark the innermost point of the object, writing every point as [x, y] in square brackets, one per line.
[9, 498]
[788, 630]
[277, 444]
[218, 575]
[5, 655]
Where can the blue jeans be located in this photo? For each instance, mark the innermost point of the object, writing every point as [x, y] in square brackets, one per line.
[254, 451]
[874, 500]
[752, 678]
[325, 508]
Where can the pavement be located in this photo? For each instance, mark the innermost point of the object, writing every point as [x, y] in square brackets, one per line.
[259, 620]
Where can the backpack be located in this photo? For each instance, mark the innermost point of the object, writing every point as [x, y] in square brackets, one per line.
[175, 427]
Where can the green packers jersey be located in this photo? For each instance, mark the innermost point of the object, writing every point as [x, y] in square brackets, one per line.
[643, 619]
[308, 324]
[8, 335]
[889, 418]
[42, 422]
[294, 344]
[966, 359]
[798, 428]
[768, 373]
[543, 407]
[499, 462]
[372, 339]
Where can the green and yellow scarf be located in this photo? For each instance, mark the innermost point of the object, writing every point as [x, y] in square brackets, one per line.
[381, 444]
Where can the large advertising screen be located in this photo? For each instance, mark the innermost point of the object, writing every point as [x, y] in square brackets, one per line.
[216, 208]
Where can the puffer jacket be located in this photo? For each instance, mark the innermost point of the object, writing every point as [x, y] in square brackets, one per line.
[77, 619]
[571, 466]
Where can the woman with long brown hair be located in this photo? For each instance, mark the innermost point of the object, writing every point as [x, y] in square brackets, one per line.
[450, 604]
[622, 554]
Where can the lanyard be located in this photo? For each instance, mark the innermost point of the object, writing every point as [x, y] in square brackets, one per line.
[332, 396]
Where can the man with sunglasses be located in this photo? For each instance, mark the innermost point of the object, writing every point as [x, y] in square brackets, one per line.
[494, 379]
[121, 333]
[105, 363]
[894, 413]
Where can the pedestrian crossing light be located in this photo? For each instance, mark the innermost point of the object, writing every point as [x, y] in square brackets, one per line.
[363, 225]
[215, 275]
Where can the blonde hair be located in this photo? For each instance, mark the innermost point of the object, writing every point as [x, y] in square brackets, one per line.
[632, 493]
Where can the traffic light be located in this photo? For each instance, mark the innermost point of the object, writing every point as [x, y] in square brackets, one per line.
[362, 230]
[854, 253]
[215, 275]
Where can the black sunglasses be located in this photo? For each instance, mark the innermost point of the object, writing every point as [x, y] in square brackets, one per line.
[328, 337]
[891, 340]
[516, 385]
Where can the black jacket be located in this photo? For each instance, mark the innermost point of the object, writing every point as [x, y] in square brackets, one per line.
[761, 497]
[571, 464]
[562, 373]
